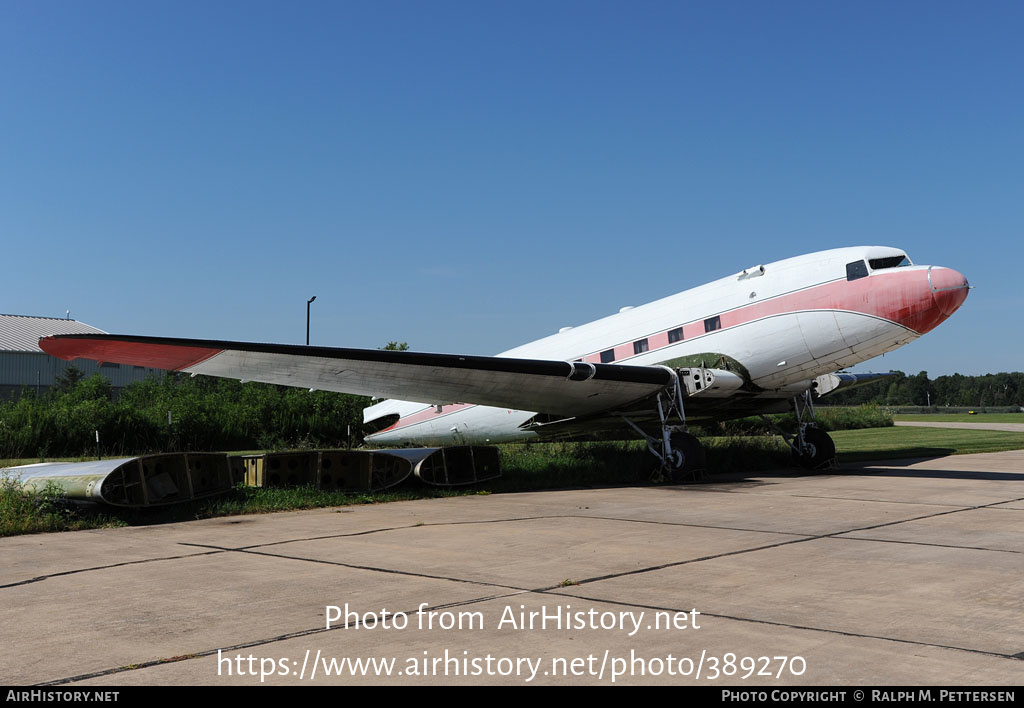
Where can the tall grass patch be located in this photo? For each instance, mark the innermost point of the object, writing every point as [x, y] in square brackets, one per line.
[23, 511]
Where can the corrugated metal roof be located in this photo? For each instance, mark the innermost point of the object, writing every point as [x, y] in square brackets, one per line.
[21, 333]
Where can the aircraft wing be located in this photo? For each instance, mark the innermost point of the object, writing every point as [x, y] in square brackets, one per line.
[557, 387]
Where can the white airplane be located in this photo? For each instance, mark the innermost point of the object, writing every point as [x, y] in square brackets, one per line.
[754, 342]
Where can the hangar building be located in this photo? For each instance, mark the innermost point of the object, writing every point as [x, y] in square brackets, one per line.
[23, 365]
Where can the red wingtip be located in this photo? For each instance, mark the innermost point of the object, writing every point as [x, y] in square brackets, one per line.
[157, 355]
[54, 347]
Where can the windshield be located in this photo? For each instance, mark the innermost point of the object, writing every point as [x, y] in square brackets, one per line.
[890, 262]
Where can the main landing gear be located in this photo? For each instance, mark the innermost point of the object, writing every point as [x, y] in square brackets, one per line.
[680, 453]
[812, 447]
[689, 458]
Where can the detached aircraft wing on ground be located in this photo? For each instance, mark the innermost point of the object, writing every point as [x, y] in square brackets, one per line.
[738, 346]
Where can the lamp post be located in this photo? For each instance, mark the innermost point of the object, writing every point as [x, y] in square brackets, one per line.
[308, 303]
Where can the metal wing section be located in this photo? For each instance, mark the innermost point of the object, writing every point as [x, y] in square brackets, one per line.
[557, 387]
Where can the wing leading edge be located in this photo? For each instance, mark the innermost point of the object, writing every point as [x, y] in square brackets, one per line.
[557, 387]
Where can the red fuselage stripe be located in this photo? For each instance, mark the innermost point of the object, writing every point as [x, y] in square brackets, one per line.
[904, 298]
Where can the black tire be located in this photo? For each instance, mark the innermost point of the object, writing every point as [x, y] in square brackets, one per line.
[694, 458]
[820, 449]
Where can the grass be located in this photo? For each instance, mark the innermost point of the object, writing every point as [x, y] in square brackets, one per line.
[893, 443]
[527, 467]
[24, 512]
[828, 418]
[961, 418]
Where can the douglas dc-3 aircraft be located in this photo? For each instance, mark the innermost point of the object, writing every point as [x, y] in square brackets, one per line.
[754, 342]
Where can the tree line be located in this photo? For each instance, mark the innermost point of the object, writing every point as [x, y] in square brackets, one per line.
[171, 413]
[177, 412]
[956, 390]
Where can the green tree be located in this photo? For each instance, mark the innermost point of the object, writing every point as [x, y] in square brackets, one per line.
[68, 379]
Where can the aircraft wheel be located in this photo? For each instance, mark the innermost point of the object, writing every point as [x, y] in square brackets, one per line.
[693, 461]
[819, 449]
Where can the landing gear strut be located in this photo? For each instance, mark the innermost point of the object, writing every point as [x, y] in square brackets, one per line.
[680, 453]
[812, 447]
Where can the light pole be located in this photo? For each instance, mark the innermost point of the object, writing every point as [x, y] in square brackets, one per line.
[308, 303]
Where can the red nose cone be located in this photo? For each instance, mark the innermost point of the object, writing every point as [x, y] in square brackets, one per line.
[949, 289]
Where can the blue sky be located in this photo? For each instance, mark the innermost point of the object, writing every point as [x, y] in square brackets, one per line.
[469, 176]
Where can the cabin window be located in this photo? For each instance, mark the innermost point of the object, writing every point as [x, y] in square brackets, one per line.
[640, 346]
[891, 262]
[675, 335]
[855, 270]
[109, 365]
[607, 356]
[712, 323]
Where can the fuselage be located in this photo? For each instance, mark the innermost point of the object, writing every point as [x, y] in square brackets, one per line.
[781, 324]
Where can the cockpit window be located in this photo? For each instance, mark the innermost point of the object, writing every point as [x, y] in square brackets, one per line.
[857, 269]
[890, 262]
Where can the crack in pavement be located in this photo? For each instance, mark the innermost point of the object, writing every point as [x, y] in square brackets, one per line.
[547, 590]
